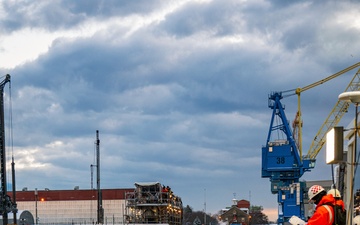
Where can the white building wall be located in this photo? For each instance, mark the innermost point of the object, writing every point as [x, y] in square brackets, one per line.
[84, 212]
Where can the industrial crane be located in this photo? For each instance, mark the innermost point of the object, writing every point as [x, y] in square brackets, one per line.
[282, 159]
[6, 205]
[282, 163]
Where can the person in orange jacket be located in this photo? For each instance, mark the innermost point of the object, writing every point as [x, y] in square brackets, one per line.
[336, 194]
[324, 213]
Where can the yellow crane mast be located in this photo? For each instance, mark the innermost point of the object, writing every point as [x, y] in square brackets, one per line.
[333, 118]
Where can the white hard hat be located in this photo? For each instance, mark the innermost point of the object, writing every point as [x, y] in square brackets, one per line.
[356, 220]
[314, 190]
[335, 193]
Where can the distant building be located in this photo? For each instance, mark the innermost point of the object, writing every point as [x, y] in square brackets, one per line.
[72, 206]
[146, 203]
[238, 213]
[244, 205]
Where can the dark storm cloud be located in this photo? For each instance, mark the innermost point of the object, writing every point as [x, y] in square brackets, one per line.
[64, 14]
[108, 8]
[215, 18]
[82, 74]
[38, 14]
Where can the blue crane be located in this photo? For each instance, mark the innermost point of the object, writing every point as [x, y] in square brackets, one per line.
[282, 163]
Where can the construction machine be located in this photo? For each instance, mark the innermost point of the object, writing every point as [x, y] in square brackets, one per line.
[282, 159]
[153, 203]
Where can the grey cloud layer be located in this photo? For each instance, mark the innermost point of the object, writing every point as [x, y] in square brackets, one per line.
[181, 98]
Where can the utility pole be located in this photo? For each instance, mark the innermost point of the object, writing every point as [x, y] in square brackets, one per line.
[100, 210]
[13, 190]
[36, 208]
[204, 206]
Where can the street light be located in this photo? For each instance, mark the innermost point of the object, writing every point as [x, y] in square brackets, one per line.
[353, 97]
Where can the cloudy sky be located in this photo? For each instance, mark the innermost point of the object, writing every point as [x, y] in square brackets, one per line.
[177, 89]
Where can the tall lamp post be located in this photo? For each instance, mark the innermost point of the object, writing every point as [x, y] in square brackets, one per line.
[353, 97]
[36, 209]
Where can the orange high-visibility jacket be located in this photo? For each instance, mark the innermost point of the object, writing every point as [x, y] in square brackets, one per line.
[322, 215]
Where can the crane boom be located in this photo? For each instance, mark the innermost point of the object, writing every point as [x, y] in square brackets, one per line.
[333, 119]
[298, 91]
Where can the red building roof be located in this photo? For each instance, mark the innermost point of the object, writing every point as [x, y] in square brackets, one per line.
[70, 195]
[243, 204]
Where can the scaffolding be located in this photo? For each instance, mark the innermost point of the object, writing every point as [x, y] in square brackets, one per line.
[153, 203]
